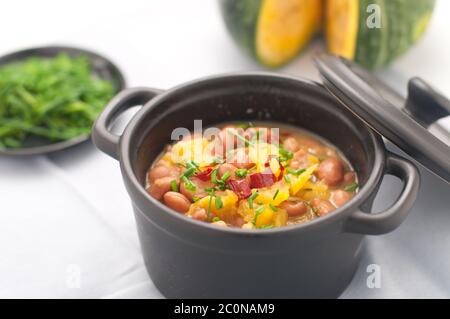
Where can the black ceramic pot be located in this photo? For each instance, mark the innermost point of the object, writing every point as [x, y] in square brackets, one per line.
[190, 259]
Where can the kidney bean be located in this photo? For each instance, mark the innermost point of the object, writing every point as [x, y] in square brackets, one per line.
[177, 201]
[161, 171]
[200, 214]
[331, 171]
[159, 187]
[300, 160]
[238, 221]
[312, 145]
[290, 144]
[349, 178]
[200, 187]
[322, 207]
[340, 197]
[294, 208]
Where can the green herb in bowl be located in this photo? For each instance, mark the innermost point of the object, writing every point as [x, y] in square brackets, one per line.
[53, 98]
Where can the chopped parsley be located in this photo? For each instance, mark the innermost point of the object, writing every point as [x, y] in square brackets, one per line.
[188, 183]
[225, 176]
[352, 187]
[174, 186]
[219, 203]
[251, 199]
[285, 155]
[241, 173]
[295, 172]
[276, 194]
[258, 212]
[241, 138]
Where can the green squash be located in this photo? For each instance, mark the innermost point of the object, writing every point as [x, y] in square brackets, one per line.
[272, 31]
[275, 31]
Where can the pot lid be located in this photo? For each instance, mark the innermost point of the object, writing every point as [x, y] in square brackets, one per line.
[407, 123]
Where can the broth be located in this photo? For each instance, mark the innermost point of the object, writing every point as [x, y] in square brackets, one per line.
[252, 176]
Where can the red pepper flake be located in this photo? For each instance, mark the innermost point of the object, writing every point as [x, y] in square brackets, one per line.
[240, 188]
[261, 180]
[204, 175]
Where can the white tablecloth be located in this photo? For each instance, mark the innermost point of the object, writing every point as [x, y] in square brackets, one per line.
[66, 225]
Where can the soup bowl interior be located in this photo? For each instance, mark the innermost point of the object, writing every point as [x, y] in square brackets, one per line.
[301, 104]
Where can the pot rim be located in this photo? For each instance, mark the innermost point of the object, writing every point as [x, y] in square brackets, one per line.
[340, 213]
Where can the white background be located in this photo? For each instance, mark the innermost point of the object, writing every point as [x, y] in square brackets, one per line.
[66, 225]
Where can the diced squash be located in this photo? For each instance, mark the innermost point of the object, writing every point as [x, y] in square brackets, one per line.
[299, 182]
[266, 195]
[266, 218]
[275, 167]
[229, 205]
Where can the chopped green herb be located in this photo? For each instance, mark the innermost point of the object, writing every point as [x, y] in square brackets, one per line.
[210, 190]
[174, 186]
[219, 182]
[216, 219]
[251, 199]
[295, 172]
[258, 212]
[285, 155]
[276, 194]
[219, 203]
[218, 160]
[189, 172]
[191, 164]
[225, 176]
[240, 137]
[214, 176]
[195, 199]
[55, 98]
[352, 187]
[287, 179]
[188, 183]
[241, 173]
[273, 208]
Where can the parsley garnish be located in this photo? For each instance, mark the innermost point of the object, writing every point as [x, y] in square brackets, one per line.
[295, 172]
[251, 199]
[276, 194]
[188, 183]
[240, 137]
[285, 155]
[219, 203]
[174, 186]
[241, 172]
[225, 176]
[258, 212]
[352, 187]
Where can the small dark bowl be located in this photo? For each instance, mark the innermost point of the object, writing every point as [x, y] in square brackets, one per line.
[191, 259]
[101, 67]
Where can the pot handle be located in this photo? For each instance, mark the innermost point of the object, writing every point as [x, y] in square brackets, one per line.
[390, 219]
[102, 137]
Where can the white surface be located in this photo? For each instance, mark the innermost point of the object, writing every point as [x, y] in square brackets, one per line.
[69, 214]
